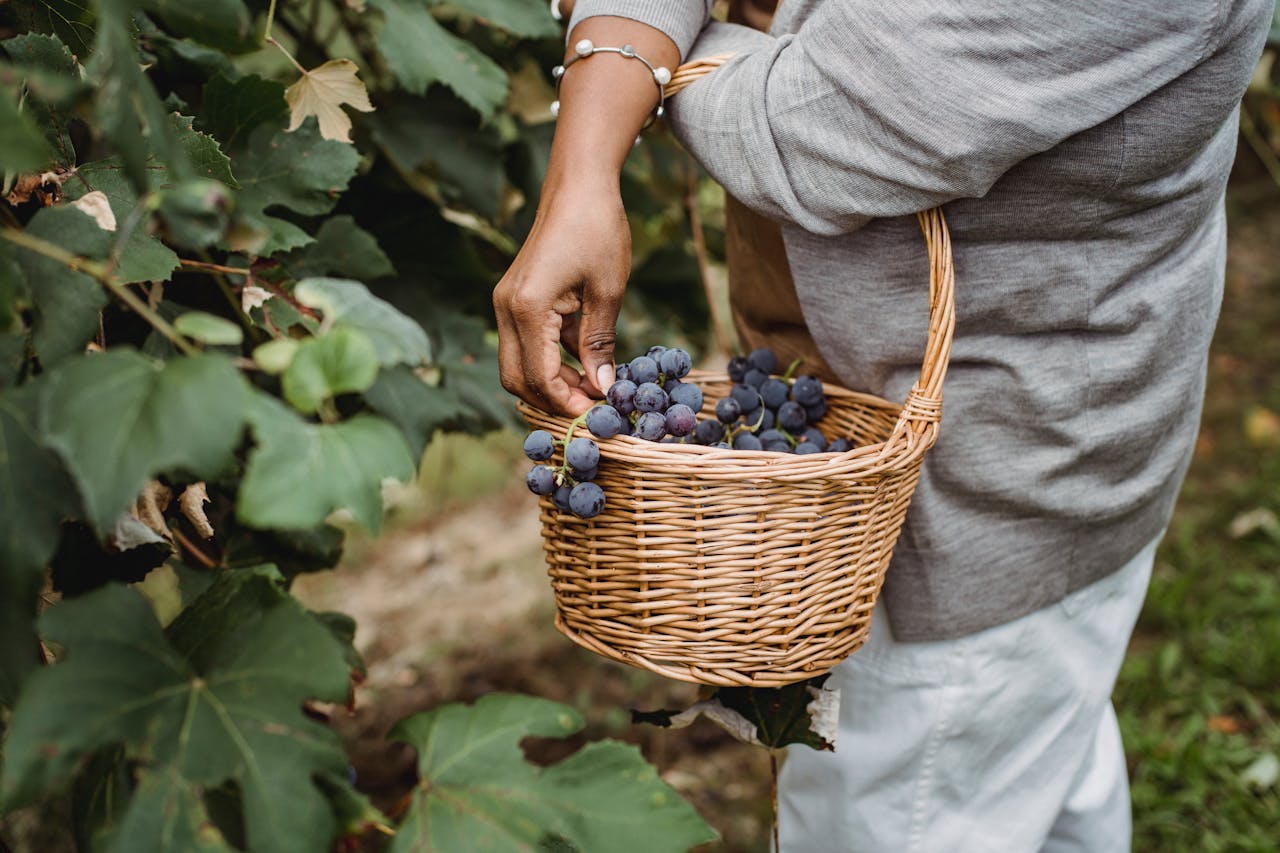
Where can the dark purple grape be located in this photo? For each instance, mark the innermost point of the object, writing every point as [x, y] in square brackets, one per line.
[755, 378]
[539, 445]
[586, 500]
[792, 417]
[651, 426]
[728, 410]
[670, 385]
[651, 398]
[746, 441]
[747, 398]
[605, 421]
[764, 360]
[814, 436]
[737, 369]
[768, 419]
[840, 445]
[709, 431]
[807, 390]
[621, 395]
[622, 371]
[585, 476]
[655, 352]
[724, 444]
[644, 369]
[681, 420]
[582, 454]
[817, 411]
[687, 394]
[675, 362]
[754, 418]
[541, 480]
[560, 497]
[782, 446]
[805, 447]
[768, 435]
[774, 392]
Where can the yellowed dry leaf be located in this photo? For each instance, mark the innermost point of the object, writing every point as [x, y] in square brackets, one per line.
[96, 205]
[253, 296]
[321, 92]
[193, 499]
[150, 505]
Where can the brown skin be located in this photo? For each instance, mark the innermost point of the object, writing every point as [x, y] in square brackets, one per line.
[565, 286]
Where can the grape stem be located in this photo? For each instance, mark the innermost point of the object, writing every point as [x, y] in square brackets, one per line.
[791, 369]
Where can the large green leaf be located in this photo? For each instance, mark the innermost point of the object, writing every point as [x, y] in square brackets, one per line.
[119, 418]
[477, 791]
[143, 257]
[397, 338]
[51, 75]
[215, 698]
[340, 362]
[233, 108]
[341, 248]
[417, 408]
[300, 472]
[298, 171]
[419, 52]
[226, 24]
[35, 495]
[130, 113]
[22, 145]
[66, 302]
[529, 18]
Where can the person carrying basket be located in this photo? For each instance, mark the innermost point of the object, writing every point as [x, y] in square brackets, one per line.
[1080, 153]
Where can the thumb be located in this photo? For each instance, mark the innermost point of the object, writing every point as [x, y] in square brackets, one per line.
[597, 332]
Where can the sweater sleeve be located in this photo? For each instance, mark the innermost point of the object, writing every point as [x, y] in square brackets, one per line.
[885, 107]
[681, 20]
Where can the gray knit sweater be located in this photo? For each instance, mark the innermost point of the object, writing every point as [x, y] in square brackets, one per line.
[1081, 150]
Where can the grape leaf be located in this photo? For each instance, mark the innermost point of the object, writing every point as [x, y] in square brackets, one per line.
[419, 52]
[323, 367]
[165, 815]
[22, 145]
[216, 697]
[398, 339]
[300, 472]
[417, 408]
[477, 791]
[231, 109]
[321, 92]
[528, 18]
[225, 24]
[299, 171]
[148, 418]
[66, 302]
[35, 495]
[341, 248]
[143, 257]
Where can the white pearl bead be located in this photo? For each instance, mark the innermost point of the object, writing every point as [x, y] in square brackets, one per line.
[636, 144]
[557, 72]
[584, 48]
[660, 112]
[662, 75]
[628, 50]
[555, 108]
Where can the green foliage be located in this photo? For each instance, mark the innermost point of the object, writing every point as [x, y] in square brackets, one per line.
[196, 300]
[477, 791]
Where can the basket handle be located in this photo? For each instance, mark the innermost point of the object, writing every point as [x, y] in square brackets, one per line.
[922, 409]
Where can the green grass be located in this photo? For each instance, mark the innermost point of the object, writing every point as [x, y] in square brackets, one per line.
[1199, 693]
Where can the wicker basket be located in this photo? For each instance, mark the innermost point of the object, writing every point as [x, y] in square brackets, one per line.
[748, 568]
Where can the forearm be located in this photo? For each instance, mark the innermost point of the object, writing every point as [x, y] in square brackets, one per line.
[604, 101]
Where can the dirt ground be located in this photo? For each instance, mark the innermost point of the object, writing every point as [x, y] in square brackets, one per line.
[458, 605]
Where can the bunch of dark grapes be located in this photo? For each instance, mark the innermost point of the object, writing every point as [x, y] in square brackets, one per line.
[765, 410]
[570, 485]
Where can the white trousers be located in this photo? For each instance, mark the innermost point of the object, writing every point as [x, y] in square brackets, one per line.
[1001, 741]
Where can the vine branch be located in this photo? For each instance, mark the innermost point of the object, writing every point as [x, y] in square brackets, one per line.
[100, 273]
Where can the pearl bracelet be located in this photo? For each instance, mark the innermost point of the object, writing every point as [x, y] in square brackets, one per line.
[586, 48]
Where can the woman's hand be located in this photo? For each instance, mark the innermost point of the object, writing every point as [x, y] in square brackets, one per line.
[565, 287]
[566, 284]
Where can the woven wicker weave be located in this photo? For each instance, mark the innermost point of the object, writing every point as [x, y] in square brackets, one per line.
[748, 568]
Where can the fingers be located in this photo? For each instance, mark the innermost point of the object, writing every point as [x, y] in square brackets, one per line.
[529, 362]
[598, 331]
